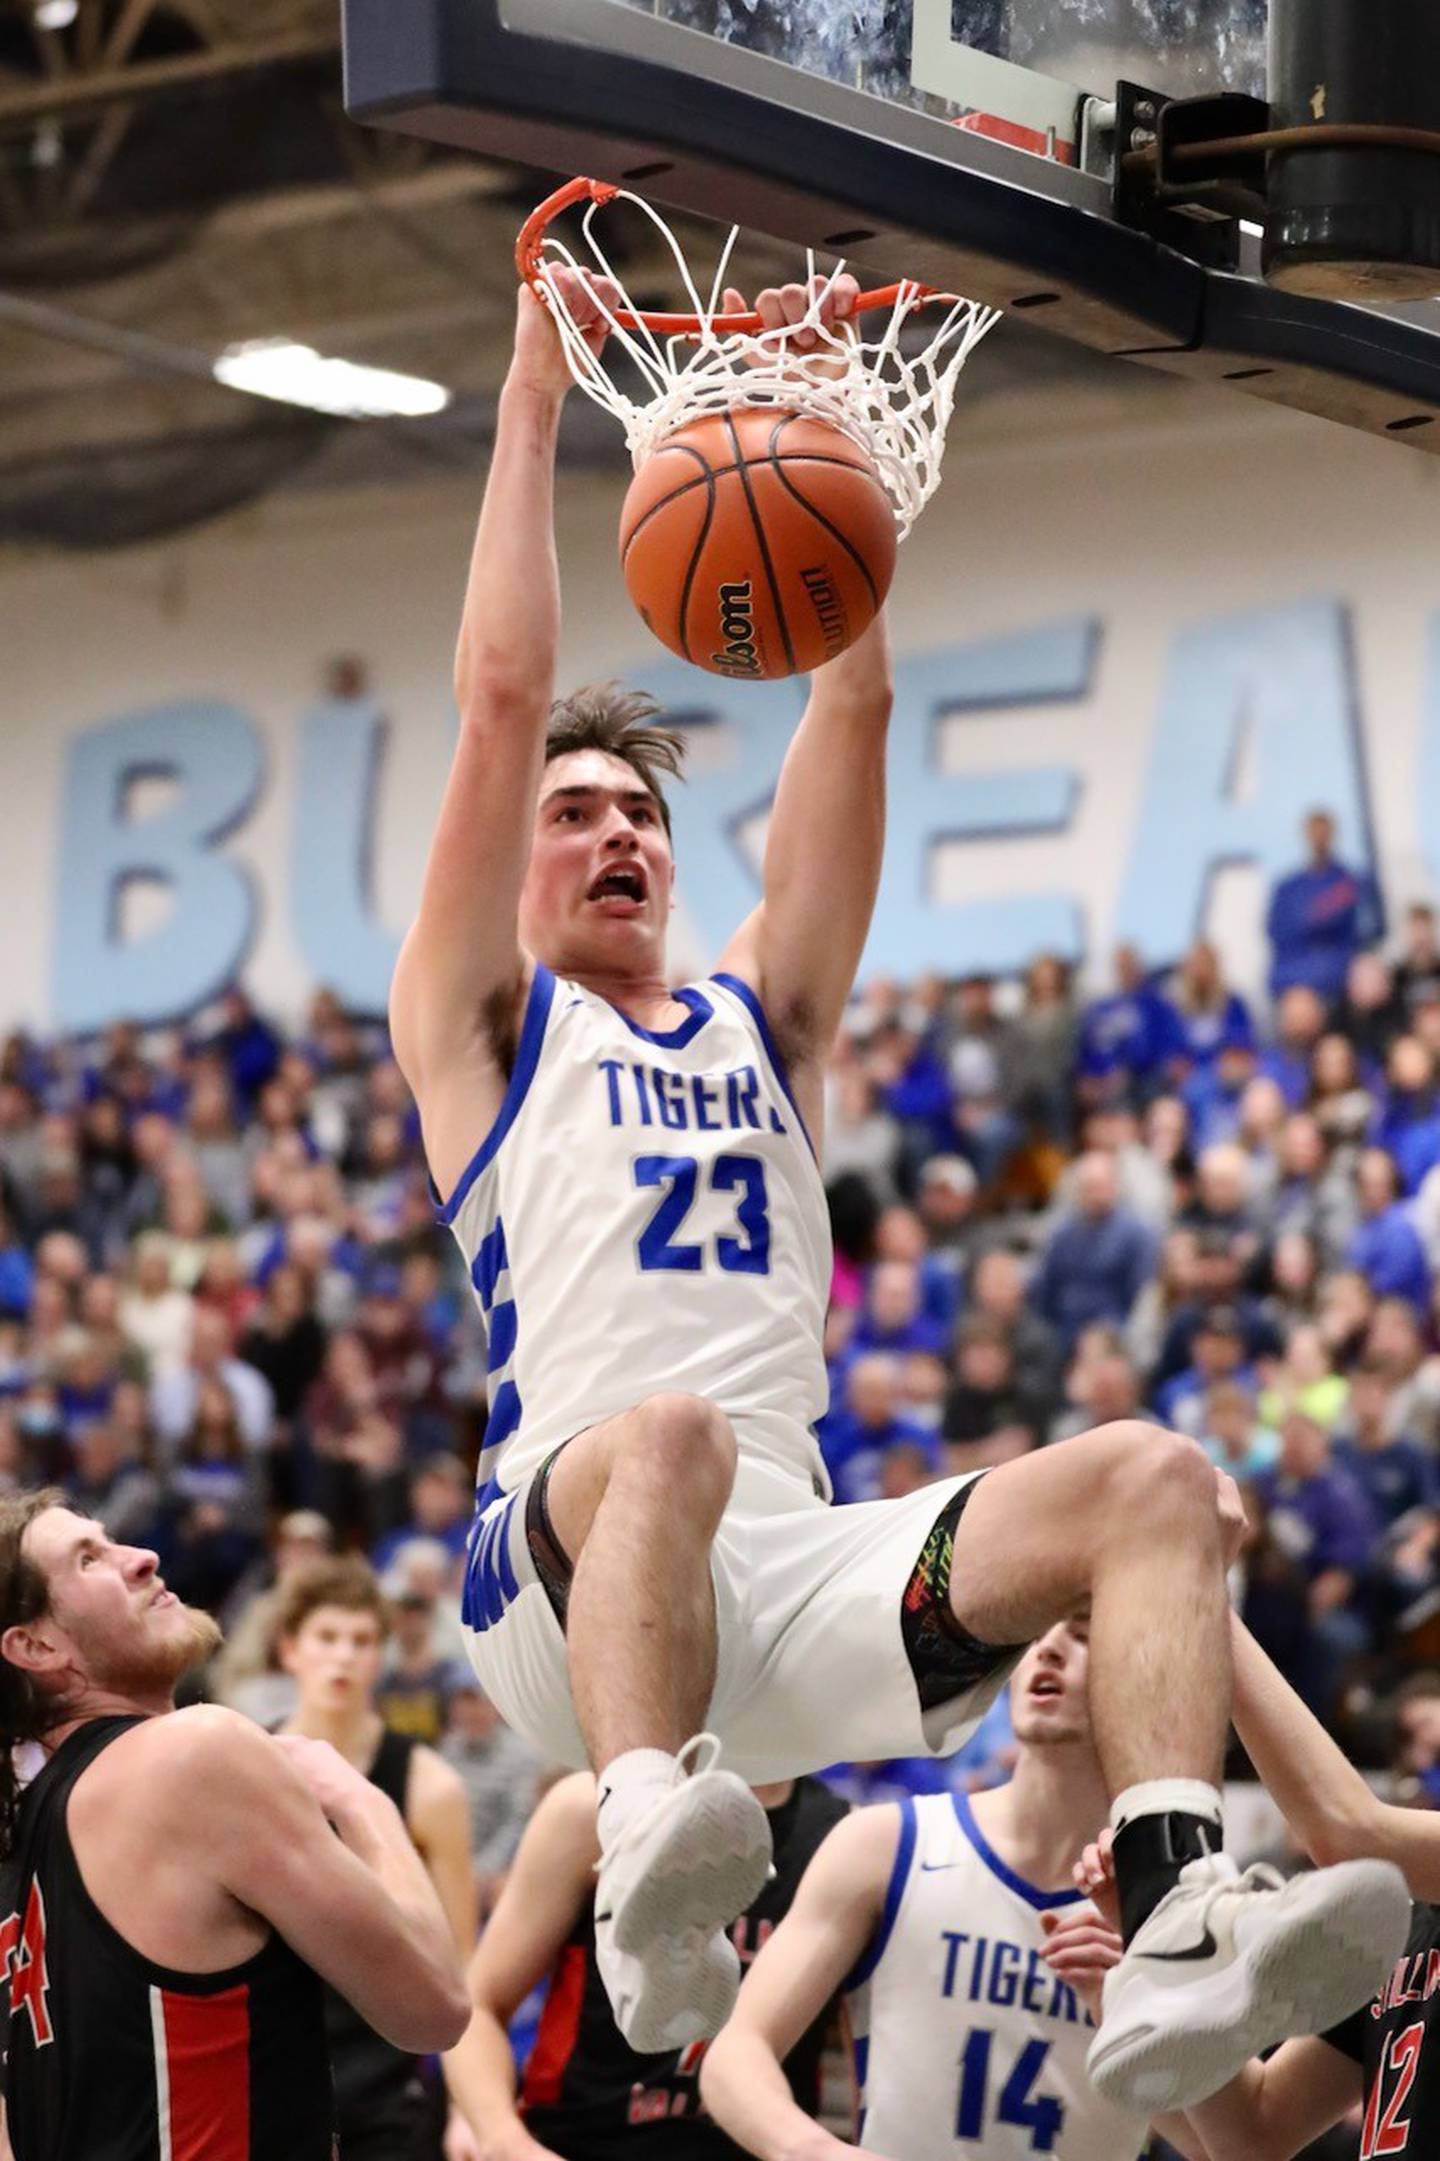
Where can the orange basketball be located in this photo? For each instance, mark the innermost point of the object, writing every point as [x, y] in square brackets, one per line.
[757, 543]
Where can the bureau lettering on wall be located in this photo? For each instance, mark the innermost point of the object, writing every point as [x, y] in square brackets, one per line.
[1256, 719]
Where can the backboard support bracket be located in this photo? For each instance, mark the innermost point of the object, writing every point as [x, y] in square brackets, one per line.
[1196, 203]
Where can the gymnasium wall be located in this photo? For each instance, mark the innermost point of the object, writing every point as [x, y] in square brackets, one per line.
[1128, 662]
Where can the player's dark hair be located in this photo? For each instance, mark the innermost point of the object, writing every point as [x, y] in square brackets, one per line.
[603, 716]
[349, 1583]
[27, 1711]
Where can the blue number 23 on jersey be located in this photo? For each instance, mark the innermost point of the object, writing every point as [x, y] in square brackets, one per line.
[742, 1250]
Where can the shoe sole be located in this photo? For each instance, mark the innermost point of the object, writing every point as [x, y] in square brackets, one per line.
[685, 1995]
[711, 1865]
[1339, 1938]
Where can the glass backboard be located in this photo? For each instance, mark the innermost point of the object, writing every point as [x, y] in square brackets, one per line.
[1022, 63]
[951, 140]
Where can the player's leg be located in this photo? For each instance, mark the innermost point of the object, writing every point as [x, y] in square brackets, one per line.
[634, 1505]
[1127, 1519]
[1218, 1967]
[628, 1514]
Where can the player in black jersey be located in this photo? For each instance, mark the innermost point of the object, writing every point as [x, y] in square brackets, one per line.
[330, 1628]
[174, 1888]
[1386, 2054]
[588, 2096]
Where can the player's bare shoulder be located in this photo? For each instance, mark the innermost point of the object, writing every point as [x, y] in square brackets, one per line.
[178, 1769]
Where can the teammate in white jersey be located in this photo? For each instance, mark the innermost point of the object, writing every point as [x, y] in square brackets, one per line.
[935, 1917]
[629, 1169]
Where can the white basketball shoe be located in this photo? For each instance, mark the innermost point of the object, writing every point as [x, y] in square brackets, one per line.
[1229, 1964]
[667, 1889]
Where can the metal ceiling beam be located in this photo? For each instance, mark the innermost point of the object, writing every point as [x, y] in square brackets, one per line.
[75, 96]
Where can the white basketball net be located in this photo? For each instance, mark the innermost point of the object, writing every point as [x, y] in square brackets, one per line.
[896, 406]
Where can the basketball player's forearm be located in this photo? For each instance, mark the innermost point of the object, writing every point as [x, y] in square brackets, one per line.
[376, 1834]
[1320, 1794]
[480, 2076]
[510, 628]
[826, 837]
[748, 2094]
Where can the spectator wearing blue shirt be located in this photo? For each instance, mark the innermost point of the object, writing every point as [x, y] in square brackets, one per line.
[1217, 1356]
[442, 1501]
[1321, 917]
[1213, 1095]
[1234, 1437]
[17, 1272]
[1397, 1475]
[1098, 1260]
[1208, 1018]
[900, 1236]
[893, 1317]
[1299, 1024]
[1407, 1121]
[856, 1438]
[1387, 1249]
[1322, 1520]
[1125, 1037]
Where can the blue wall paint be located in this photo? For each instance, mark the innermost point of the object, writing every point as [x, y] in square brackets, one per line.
[1053, 664]
[1286, 676]
[212, 754]
[1280, 680]
[332, 853]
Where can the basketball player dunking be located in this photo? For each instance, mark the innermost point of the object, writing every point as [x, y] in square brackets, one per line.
[175, 1891]
[630, 1172]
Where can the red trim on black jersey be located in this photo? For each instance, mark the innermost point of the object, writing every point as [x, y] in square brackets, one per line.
[202, 2074]
[559, 2026]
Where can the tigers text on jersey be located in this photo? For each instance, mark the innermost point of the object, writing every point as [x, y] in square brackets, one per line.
[646, 1214]
[965, 2041]
[1396, 2037]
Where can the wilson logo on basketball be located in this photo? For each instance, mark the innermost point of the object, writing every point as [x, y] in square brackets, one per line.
[737, 632]
[22, 1965]
[829, 609]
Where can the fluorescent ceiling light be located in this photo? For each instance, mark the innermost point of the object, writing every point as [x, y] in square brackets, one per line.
[56, 14]
[298, 375]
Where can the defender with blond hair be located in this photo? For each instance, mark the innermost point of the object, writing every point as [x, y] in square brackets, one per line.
[175, 1893]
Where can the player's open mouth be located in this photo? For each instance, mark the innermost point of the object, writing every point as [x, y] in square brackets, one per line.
[164, 1598]
[1045, 1686]
[620, 889]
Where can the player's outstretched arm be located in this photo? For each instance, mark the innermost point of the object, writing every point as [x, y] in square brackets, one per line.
[823, 851]
[802, 946]
[1321, 1795]
[462, 954]
[259, 1816]
[821, 1939]
[549, 1881]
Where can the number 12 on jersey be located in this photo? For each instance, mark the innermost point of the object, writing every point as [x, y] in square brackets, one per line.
[1016, 2102]
[661, 1245]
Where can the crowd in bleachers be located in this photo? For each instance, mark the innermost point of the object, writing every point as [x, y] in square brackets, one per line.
[230, 1327]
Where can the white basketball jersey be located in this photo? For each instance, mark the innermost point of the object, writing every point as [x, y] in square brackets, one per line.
[965, 2041]
[646, 1214]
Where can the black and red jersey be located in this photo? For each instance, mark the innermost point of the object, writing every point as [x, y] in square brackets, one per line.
[111, 2058]
[587, 2095]
[1396, 2039]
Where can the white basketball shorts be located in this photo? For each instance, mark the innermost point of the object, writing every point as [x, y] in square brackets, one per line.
[812, 1667]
